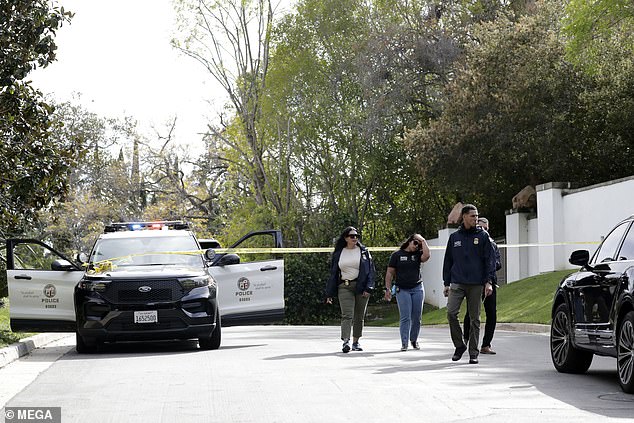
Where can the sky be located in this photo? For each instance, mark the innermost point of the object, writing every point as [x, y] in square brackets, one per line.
[117, 55]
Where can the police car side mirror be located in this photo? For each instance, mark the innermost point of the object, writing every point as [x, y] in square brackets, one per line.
[62, 265]
[82, 258]
[210, 253]
[228, 259]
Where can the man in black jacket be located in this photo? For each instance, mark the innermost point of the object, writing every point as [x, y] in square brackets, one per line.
[468, 271]
[490, 306]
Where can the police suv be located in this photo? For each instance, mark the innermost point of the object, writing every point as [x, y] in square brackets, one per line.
[143, 281]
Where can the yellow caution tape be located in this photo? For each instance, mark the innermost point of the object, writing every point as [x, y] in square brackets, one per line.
[102, 266]
[108, 264]
[331, 249]
[551, 244]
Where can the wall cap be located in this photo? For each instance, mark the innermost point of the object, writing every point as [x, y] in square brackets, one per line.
[522, 210]
[599, 185]
[555, 185]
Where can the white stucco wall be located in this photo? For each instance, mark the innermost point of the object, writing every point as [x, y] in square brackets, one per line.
[572, 219]
[532, 265]
[432, 270]
[593, 211]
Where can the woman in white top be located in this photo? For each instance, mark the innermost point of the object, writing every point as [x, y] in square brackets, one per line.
[352, 275]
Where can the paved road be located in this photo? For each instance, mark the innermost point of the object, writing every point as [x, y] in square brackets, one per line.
[288, 374]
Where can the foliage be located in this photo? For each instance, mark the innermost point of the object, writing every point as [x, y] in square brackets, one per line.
[600, 42]
[598, 29]
[510, 115]
[4, 291]
[101, 190]
[8, 337]
[144, 181]
[35, 162]
[305, 280]
[231, 39]
[305, 283]
[344, 82]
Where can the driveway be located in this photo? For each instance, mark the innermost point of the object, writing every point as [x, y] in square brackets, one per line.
[298, 373]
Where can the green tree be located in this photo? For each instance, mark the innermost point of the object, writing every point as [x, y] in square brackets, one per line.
[600, 42]
[345, 79]
[231, 39]
[597, 29]
[100, 185]
[178, 186]
[126, 177]
[35, 165]
[511, 116]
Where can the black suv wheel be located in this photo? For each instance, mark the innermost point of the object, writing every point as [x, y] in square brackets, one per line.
[566, 358]
[625, 349]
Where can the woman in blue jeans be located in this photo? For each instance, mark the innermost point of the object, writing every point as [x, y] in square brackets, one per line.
[403, 271]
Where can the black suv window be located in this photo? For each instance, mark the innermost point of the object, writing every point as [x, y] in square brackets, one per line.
[627, 250]
[607, 250]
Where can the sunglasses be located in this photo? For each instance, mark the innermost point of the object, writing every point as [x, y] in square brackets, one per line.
[353, 235]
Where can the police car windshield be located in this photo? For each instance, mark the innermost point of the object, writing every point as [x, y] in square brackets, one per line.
[147, 251]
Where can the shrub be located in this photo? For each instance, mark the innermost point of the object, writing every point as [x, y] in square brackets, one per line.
[305, 277]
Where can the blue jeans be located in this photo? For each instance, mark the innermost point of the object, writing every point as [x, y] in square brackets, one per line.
[410, 307]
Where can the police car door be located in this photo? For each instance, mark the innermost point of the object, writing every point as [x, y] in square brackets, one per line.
[41, 287]
[251, 291]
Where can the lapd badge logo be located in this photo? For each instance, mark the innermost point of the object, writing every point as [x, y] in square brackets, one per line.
[50, 291]
[243, 284]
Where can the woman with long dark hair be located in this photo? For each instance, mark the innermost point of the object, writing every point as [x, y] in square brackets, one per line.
[403, 271]
[352, 275]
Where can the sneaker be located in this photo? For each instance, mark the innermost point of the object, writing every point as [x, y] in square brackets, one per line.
[487, 350]
[473, 360]
[457, 355]
[415, 345]
[346, 346]
[404, 347]
[356, 346]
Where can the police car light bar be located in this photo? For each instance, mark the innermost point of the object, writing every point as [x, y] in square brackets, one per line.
[138, 226]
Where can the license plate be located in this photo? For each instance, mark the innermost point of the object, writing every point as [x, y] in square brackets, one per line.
[148, 316]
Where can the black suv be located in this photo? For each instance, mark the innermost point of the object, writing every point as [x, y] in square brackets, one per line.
[593, 310]
[143, 281]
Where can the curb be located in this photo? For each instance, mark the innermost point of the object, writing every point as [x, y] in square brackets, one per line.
[524, 327]
[26, 345]
[511, 327]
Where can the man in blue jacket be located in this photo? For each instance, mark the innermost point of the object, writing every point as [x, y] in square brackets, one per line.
[490, 308]
[468, 271]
